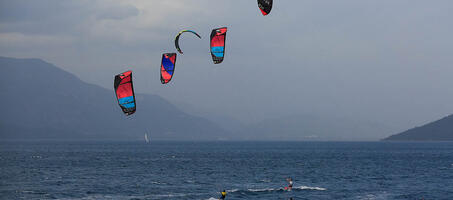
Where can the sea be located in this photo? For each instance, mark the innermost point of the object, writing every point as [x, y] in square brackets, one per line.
[245, 170]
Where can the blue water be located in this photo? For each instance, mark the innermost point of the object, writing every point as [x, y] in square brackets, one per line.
[247, 170]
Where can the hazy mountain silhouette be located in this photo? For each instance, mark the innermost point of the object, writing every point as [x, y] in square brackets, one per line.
[312, 127]
[440, 130]
[41, 101]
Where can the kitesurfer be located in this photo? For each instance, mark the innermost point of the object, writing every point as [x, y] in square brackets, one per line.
[290, 183]
[223, 193]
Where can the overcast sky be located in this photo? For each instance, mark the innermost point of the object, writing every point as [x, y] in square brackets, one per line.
[387, 61]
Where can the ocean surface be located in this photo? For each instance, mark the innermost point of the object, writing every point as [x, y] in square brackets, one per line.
[246, 170]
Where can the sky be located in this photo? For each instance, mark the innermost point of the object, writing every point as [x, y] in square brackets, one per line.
[388, 62]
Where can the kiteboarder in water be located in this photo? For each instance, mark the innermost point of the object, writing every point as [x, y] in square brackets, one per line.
[223, 193]
[290, 184]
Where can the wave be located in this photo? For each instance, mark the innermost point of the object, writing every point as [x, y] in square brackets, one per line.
[232, 190]
[122, 197]
[251, 191]
[283, 189]
[275, 189]
[265, 189]
[310, 188]
[158, 183]
[377, 196]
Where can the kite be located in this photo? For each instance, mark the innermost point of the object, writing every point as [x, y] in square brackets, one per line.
[167, 67]
[124, 91]
[218, 37]
[265, 6]
[179, 34]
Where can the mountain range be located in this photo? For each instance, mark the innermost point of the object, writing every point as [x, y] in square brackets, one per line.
[41, 101]
[439, 130]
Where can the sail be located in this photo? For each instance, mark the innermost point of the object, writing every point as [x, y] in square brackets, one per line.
[146, 138]
[124, 91]
[218, 37]
[167, 67]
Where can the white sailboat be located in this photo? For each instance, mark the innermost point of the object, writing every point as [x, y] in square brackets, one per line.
[146, 138]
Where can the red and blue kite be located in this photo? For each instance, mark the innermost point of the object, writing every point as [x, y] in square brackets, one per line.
[167, 67]
[218, 37]
[124, 91]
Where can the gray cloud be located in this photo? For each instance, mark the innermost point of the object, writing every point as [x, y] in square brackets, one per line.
[383, 61]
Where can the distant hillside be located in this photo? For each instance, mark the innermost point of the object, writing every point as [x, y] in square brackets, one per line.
[440, 130]
[310, 127]
[41, 101]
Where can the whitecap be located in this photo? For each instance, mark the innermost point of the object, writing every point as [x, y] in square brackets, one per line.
[294, 188]
[233, 190]
[262, 190]
[157, 183]
[309, 188]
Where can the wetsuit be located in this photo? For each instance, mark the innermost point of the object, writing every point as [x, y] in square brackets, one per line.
[290, 186]
[223, 195]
